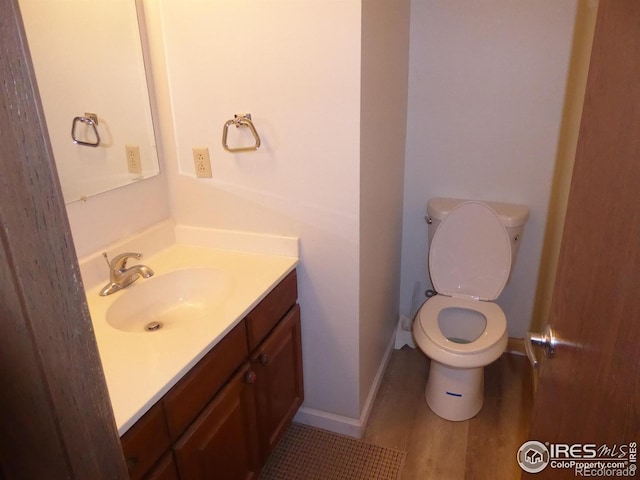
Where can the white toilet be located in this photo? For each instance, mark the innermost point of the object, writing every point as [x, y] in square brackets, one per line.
[473, 246]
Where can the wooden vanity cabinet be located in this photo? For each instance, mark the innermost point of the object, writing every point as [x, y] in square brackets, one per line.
[224, 418]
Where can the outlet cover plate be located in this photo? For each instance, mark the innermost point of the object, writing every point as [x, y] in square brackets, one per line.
[202, 163]
[134, 164]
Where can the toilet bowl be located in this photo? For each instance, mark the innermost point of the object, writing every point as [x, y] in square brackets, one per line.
[459, 352]
[461, 330]
[462, 333]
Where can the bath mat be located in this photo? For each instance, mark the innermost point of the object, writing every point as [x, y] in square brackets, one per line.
[308, 453]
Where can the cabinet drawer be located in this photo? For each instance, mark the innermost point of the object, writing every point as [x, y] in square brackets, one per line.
[145, 442]
[271, 309]
[184, 401]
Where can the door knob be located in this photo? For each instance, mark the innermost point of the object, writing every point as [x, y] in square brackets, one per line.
[545, 340]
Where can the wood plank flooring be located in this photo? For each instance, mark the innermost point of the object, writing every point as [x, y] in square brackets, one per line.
[483, 447]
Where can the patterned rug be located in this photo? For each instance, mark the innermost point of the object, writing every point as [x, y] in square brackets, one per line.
[308, 453]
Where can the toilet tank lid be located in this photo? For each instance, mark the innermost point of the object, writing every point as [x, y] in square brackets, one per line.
[511, 215]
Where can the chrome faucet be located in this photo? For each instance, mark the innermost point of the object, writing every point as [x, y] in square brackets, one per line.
[120, 276]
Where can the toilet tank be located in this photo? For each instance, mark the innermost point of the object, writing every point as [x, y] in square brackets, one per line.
[514, 217]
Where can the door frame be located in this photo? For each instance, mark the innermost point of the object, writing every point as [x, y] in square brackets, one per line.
[56, 420]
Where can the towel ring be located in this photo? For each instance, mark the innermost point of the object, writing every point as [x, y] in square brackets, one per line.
[92, 122]
[240, 120]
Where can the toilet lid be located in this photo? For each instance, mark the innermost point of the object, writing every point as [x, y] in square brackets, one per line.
[470, 254]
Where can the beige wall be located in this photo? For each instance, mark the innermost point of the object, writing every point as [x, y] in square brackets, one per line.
[295, 66]
[571, 116]
[326, 85]
[486, 91]
[385, 64]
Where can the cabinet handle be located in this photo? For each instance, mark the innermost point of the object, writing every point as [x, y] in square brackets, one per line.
[250, 377]
[264, 359]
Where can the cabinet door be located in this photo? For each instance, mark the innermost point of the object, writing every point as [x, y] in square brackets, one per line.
[278, 366]
[223, 441]
[145, 442]
[164, 470]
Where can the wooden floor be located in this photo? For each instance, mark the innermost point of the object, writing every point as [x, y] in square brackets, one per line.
[483, 447]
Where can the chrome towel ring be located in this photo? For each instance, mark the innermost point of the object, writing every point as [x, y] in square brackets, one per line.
[240, 120]
[92, 121]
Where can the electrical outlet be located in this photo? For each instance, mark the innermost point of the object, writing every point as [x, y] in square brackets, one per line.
[134, 164]
[202, 163]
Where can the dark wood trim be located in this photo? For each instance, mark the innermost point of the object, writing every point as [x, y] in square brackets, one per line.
[56, 419]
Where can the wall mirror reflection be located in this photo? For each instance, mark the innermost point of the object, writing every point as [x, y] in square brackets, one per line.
[89, 64]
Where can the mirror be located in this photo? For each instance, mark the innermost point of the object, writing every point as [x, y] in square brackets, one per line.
[89, 64]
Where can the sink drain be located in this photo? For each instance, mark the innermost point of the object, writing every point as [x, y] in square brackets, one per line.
[153, 326]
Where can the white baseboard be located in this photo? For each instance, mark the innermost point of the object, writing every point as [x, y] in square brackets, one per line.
[329, 421]
[353, 427]
[375, 385]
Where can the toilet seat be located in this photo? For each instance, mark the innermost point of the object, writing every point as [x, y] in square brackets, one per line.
[469, 262]
[470, 254]
[495, 329]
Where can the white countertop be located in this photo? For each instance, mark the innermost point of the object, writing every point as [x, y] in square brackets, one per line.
[140, 367]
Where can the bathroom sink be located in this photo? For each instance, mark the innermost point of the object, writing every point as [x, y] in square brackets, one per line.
[168, 301]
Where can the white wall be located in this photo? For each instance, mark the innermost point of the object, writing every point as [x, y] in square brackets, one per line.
[385, 68]
[295, 66]
[111, 216]
[330, 169]
[486, 89]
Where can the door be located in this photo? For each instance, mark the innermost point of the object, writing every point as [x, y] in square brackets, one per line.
[55, 420]
[587, 405]
[222, 443]
[278, 366]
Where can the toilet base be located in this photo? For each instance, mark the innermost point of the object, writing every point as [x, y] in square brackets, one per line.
[455, 393]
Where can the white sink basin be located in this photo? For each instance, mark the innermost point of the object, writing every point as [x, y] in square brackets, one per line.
[169, 301]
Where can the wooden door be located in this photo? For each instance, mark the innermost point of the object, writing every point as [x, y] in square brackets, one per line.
[589, 393]
[56, 419]
[280, 392]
